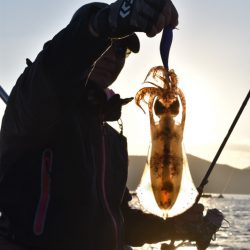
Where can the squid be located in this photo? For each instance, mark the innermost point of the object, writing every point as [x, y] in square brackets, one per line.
[165, 103]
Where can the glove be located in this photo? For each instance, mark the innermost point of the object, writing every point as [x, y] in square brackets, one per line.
[124, 17]
[192, 226]
[98, 103]
[211, 224]
[113, 108]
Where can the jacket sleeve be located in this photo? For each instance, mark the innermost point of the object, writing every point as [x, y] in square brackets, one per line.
[55, 80]
[141, 228]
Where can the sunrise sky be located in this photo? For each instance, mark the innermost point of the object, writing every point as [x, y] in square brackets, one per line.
[210, 54]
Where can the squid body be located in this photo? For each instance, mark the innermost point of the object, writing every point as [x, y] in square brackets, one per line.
[166, 158]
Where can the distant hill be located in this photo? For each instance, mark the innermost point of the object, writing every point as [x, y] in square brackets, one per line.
[223, 179]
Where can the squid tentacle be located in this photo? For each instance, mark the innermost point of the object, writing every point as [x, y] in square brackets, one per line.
[142, 93]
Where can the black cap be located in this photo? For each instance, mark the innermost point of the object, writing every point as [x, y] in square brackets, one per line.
[132, 42]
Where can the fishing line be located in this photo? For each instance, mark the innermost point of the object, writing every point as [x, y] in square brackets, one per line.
[212, 165]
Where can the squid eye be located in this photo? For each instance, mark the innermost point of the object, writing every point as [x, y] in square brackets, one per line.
[174, 108]
[159, 108]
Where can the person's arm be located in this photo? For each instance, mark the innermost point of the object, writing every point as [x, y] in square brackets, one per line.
[72, 52]
[141, 228]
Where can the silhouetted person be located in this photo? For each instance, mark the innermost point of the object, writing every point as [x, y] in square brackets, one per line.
[63, 170]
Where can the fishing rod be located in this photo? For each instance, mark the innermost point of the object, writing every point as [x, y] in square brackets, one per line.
[4, 96]
[212, 165]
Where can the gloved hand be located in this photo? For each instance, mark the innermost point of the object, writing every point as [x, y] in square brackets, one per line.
[124, 17]
[113, 107]
[193, 226]
[107, 104]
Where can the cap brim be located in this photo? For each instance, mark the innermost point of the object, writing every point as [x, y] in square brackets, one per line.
[132, 42]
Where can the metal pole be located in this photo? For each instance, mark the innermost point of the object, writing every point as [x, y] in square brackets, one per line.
[205, 179]
[4, 96]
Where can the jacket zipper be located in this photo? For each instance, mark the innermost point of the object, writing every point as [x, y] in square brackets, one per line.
[104, 189]
[42, 208]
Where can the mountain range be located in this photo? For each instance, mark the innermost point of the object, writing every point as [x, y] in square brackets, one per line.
[223, 179]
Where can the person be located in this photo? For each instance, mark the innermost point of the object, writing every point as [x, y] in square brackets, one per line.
[63, 169]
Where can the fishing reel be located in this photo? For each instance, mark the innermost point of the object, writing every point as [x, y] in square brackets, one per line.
[212, 223]
[203, 234]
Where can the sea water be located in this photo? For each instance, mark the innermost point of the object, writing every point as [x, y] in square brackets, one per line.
[233, 236]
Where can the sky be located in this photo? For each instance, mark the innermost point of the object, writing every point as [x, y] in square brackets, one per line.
[210, 54]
